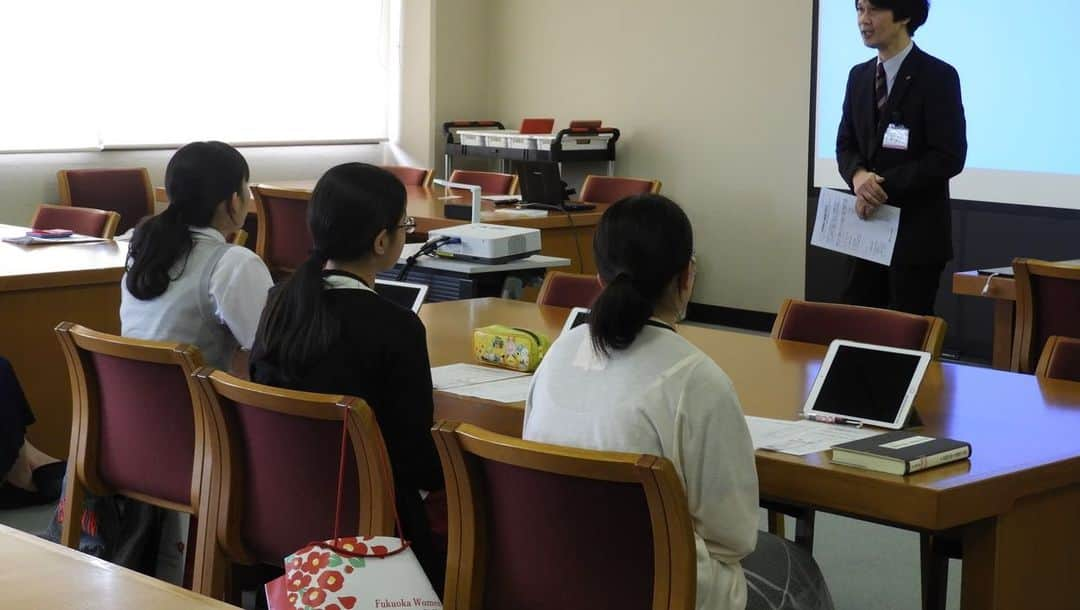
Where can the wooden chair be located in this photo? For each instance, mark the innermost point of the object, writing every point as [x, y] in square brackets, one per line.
[1060, 359]
[568, 290]
[540, 526]
[86, 221]
[238, 238]
[490, 183]
[284, 240]
[1047, 303]
[820, 323]
[125, 191]
[609, 189]
[275, 472]
[411, 176]
[137, 430]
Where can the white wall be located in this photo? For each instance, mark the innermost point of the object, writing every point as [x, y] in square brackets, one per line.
[711, 97]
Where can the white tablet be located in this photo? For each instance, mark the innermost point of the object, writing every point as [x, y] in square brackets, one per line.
[577, 317]
[869, 384]
[408, 295]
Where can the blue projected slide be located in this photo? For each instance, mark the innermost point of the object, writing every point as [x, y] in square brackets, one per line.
[1019, 65]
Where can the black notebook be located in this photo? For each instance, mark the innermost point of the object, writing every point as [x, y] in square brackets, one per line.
[900, 452]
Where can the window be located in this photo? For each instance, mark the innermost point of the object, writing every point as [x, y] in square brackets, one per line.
[142, 73]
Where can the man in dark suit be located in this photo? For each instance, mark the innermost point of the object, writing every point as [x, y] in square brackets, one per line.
[902, 137]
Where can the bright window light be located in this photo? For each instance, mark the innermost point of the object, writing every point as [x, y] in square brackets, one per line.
[142, 73]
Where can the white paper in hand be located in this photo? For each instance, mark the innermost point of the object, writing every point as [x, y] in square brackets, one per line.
[839, 228]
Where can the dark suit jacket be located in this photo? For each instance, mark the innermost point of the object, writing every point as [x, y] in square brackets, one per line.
[926, 99]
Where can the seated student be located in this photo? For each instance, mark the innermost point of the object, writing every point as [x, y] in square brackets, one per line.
[628, 382]
[184, 283]
[326, 330]
[27, 475]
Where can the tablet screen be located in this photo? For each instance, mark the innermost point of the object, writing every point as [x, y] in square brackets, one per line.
[409, 296]
[868, 383]
[577, 317]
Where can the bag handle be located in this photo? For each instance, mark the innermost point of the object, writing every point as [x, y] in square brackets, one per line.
[387, 476]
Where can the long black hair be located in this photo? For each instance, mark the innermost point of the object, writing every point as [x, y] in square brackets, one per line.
[642, 244]
[199, 177]
[350, 205]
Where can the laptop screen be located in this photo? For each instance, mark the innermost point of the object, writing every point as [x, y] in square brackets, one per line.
[866, 383]
[541, 183]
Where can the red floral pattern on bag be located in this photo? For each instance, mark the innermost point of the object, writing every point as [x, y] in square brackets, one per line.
[314, 597]
[298, 581]
[331, 581]
[315, 562]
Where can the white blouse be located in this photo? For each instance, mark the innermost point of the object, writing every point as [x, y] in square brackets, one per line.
[661, 396]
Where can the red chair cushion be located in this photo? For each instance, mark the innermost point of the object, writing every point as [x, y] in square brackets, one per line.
[557, 541]
[146, 438]
[820, 323]
[119, 190]
[86, 221]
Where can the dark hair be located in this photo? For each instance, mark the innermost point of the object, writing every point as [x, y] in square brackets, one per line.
[350, 205]
[915, 10]
[199, 177]
[641, 244]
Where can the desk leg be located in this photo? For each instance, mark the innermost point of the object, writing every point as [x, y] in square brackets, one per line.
[1004, 312]
[1025, 558]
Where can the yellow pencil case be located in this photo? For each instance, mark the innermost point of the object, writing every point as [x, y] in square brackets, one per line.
[512, 348]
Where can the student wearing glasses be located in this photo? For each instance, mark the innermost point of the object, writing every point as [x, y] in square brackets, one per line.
[628, 382]
[184, 282]
[326, 330]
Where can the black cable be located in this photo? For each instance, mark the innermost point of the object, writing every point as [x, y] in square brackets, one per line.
[427, 248]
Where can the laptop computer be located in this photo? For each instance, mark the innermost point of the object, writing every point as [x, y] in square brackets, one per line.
[408, 295]
[866, 384]
[541, 184]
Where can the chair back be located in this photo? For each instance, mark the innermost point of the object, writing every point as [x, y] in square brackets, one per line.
[540, 526]
[125, 191]
[137, 427]
[820, 323]
[277, 454]
[490, 183]
[238, 237]
[1047, 303]
[609, 189]
[85, 221]
[568, 290]
[1060, 359]
[284, 240]
[411, 176]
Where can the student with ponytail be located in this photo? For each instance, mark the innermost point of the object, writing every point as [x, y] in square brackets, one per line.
[326, 330]
[628, 382]
[184, 283]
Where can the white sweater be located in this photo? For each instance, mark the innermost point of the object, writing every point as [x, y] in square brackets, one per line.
[661, 396]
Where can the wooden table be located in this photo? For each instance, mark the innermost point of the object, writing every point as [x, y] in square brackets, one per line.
[1015, 504]
[560, 234]
[41, 286]
[40, 575]
[1003, 290]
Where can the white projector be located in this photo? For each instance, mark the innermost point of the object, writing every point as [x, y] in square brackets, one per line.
[487, 243]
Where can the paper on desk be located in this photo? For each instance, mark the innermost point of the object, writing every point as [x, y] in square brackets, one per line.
[838, 228]
[515, 389]
[29, 240]
[461, 374]
[802, 437]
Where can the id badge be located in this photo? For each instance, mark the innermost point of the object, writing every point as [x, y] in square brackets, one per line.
[896, 137]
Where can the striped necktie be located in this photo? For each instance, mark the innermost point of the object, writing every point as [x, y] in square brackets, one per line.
[881, 90]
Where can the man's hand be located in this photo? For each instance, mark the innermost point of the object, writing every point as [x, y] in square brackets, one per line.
[863, 209]
[868, 187]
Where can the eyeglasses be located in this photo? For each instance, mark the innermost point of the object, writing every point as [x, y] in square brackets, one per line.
[409, 225]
